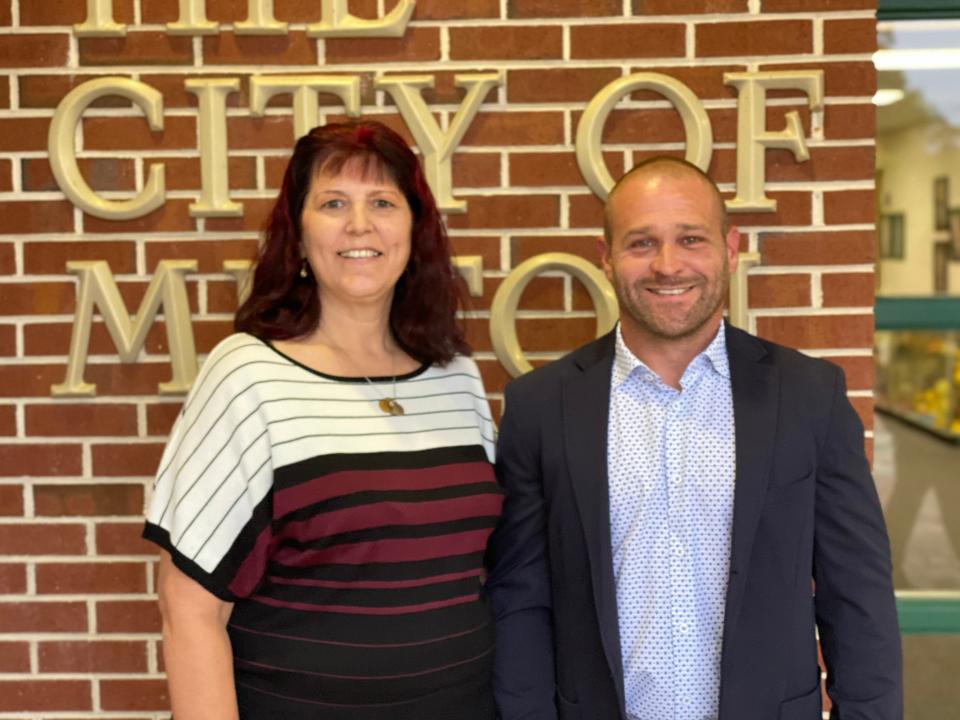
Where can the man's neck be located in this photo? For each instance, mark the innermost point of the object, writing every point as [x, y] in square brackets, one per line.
[667, 357]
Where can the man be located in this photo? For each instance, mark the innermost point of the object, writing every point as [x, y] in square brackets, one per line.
[675, 491]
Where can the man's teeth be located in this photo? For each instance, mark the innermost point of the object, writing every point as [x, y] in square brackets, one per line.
[670, 291]
[358, 253]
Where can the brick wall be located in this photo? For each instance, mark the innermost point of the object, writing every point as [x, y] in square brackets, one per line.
[78, 623]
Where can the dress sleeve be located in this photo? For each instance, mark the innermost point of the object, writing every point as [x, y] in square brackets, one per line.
[211, 506]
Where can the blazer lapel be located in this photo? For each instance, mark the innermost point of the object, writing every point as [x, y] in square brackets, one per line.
[754, 385]
[585, 408]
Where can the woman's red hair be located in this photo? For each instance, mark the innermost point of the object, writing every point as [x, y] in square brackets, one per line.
[282, 305]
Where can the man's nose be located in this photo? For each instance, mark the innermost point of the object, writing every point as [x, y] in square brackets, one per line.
[667, 260]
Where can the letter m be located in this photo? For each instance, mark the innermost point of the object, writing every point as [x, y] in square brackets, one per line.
[98, 288]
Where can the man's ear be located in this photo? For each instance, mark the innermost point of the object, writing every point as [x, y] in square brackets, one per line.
[603, 249]
[732, 242]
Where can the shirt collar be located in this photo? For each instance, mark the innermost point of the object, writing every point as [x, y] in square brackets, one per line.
[625, 362]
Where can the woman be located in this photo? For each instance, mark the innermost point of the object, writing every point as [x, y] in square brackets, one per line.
[326, 494]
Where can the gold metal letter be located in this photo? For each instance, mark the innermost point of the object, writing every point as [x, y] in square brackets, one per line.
[305, 89]
[260, 20]
[63, 159]
[503, 310]
[470, 268]
[215, 182]
[739, 306]
[100, 22]
[242, 274]
[437, 148]
[337, 21]
[752, 136]
[696, 125]
[97, 287]
[193, 20]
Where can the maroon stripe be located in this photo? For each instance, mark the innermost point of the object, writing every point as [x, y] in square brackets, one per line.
[396, 676]
[352, 481]
[382, 514]
[253, 566]
[376, 584]
[361, 610]
[384, 551]
[297, 638]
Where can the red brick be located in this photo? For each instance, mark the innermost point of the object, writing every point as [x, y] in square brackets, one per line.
[5, 15]
[554, 168]
[128, 616]
[525, 247]
[508, 211]
[848, 289]
[810, 6]
[128, 459]
[41, 258]
[43, 617]
[849, 206]
[418, 44]
[473, 170]
[134, 695]
[504, 42]
[586, 211]
[688, 7]
[255, 213]
[818, 331]
[864, 408]
[45, 695]
[46, 91]
[14, 657]
[515, 128]
[221, 296]
[850, 36]
[29, 380]
[122, 538]
[91, 578]
[558, 84]
[633, 40]
[291, 48]
[11, 500]
[859, 371]
[542, 293]
[128, 379]
[772, 37]
[67, 12]
[22, 50]
[8, 346]
[793, 208]
[184, 173]
[462, 9]
[486, 247]
[86, 500]
[706, 82]
[24, 218]
[38, 298]
[8, 260]
[848, 122]
[769, 291]
[6, 167]
[99, 173]
[559, 335]
[48, 459]
[20, 133]
[818, 248]
[81, 419]
[42, 539]
[272, 132]
[117, 133]
[562, 8]
[210, 254]
[13, 579]
[136, 48]
[81, 656]
[834, 163]
[172, 216]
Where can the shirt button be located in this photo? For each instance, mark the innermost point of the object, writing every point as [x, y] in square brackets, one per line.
[676, 480]
[683, 627]
[679, 550]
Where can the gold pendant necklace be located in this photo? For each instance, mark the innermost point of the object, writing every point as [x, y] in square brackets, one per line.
[389, 405]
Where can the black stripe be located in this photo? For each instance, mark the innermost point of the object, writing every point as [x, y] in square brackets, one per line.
[372, 597]
[395, 532]
[412, 570]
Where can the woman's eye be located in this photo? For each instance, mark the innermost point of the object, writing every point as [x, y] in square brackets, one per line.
[382, 203]
[332, 204]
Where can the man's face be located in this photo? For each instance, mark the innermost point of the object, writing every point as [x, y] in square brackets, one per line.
[668, 257]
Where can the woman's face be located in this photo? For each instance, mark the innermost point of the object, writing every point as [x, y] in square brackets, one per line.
[355, 230]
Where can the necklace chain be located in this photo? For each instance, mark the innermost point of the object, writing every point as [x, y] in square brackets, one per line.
[387, 403]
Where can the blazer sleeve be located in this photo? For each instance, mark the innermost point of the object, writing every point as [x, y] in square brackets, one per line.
[855, 608]
[519, 582]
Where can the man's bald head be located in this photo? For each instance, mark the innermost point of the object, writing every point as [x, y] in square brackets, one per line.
[664, 166]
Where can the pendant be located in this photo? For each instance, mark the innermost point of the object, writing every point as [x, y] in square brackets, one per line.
[391, 406]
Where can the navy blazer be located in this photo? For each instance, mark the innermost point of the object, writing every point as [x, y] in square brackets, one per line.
[806, 514]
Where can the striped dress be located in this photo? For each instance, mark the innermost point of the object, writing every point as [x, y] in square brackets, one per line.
[350, 541]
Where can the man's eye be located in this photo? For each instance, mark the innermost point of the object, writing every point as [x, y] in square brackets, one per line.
[641, 243]
[691, 240]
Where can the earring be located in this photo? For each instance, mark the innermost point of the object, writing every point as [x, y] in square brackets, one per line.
[303, 269]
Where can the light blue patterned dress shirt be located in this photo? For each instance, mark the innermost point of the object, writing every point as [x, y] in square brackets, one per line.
[670, 459]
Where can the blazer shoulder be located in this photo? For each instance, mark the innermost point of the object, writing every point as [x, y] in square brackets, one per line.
[795, 365]
[547, 379]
